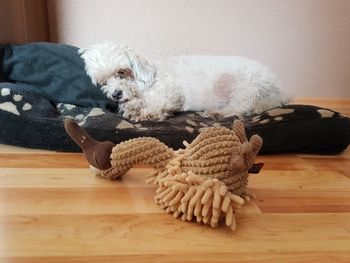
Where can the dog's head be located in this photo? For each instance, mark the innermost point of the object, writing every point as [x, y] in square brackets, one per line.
[118, 70]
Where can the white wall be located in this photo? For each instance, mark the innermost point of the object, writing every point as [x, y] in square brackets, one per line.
[306, 42]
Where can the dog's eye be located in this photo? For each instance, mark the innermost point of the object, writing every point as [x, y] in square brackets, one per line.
[124, 73]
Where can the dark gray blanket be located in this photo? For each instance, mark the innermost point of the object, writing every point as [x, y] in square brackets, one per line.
[43, 83]
[53, 71]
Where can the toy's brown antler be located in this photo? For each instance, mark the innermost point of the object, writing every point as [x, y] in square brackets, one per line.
[96, 153]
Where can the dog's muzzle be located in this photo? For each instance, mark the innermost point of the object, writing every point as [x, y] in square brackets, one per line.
[117, 95]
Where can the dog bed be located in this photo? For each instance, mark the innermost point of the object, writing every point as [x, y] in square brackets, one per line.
[43, 83]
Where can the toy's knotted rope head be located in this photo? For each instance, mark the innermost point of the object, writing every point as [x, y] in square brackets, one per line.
[207, 180]
[223, 154]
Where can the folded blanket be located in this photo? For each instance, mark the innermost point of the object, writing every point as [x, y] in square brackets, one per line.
[53, 71]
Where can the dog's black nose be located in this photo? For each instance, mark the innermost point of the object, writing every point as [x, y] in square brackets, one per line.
[117, 95]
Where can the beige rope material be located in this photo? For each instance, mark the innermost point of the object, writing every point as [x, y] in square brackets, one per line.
[205, 182]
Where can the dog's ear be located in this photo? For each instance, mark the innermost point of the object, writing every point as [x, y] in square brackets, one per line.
[143, 70]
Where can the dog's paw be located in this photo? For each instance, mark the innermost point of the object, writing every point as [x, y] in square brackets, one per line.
[132, 115]
[138, 118]
[211, 115]
[143, 117]
[148, 117]
[133, 118]
[151, 116]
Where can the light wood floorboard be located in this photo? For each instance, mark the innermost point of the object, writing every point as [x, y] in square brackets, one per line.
[53, 210]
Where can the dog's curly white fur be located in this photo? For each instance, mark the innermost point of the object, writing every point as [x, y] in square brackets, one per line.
[145, 90]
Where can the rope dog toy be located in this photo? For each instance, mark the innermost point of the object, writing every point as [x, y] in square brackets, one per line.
[206, 181]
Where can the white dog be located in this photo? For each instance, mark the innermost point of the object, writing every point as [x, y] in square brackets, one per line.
[147, 90]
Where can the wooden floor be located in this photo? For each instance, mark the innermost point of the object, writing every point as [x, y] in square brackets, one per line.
[53, 210]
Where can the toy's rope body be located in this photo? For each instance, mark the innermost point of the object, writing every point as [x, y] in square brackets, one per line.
[144, 150]
[206, 181]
